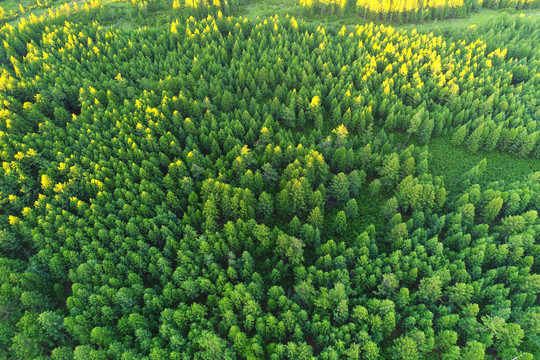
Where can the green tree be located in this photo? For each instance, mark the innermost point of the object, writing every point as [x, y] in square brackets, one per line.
[212, 346]
[415, 123]
[425, 130]
[316, 218]
[459, 135]
[390, 169]
[375, 187]
[340, 223]
[460, 293]
[430, 289]
[405, 348]
[291, 248]
[356, 180]
[475, 140]
[492, 209]
[340, 188]
[269, 174]
[473, 351]
[265, 204]
[351, 209]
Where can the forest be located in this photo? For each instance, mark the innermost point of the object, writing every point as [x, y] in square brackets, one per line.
[191, 179]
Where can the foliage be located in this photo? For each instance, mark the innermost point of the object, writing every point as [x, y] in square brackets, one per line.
[222, 188]
[415, 10]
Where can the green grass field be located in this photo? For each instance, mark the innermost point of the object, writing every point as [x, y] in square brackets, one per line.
[13, 5]
[451, 162]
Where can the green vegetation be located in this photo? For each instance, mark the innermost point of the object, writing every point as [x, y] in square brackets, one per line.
[452, 162]
[11, 10]
[180, 182]
[416, 11]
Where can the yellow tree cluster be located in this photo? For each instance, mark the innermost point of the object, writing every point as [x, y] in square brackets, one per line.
[200, 8]
[412, 9]
[336, 3]
[417, 10]
[198, 3]
[380, 6]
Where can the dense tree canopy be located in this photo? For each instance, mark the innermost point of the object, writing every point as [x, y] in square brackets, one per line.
[226, 189]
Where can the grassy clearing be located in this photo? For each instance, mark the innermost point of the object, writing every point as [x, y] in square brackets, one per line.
[451, 162]
[479, 19]
[262, 8]
[13, 5]
[265, 8]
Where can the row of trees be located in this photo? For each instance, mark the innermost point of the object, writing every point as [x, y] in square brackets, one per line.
[413, 11]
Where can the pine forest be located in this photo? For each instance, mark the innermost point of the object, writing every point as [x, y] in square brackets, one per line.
[270, 179]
